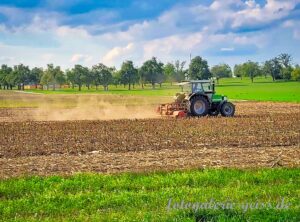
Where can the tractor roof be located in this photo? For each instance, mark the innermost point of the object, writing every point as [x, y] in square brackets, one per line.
[201, 81]
[193, 81]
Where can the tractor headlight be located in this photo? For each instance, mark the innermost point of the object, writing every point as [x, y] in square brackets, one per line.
[225, 98]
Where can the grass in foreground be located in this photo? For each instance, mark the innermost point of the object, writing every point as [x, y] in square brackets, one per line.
[145, 197]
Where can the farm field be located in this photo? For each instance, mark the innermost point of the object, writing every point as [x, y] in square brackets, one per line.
[110, 157]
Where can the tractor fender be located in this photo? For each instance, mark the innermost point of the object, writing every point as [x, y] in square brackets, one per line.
[221, 104]
[198, 94]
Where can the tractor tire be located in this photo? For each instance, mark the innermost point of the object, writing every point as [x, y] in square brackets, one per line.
[227, 109]
[199, 106]
[214, 112]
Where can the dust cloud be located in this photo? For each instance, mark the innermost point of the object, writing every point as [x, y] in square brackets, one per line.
[94, 108]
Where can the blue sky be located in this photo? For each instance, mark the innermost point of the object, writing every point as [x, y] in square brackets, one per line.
[87, 32]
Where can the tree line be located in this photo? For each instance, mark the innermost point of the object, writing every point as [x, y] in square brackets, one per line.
[151, 72]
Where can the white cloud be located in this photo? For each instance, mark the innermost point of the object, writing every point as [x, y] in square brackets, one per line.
[80, 58]
[227, 49]
[176, 33]
[254, 14]
[117, 53]
[7, 59]
[47, 57]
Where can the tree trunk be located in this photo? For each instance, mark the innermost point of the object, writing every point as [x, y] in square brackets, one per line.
[96, 86]
[79, 89]
[88, 86]
[22, 87]
[73, 85]
[142, 85]
[53, 88]
[160, 85]
[11, 87]
[153, 85]
[252, 79]
[129, 86]
[47, 86]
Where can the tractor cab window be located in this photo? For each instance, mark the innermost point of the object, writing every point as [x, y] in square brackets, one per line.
[186, 88]
[207, 87]
[197, 87]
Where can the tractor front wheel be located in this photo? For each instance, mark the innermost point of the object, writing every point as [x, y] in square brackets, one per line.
[199, 106]
[227, 109]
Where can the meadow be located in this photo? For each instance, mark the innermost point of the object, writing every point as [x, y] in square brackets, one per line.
[145, 197]
[263, 89]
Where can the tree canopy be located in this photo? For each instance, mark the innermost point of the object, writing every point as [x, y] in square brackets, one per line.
[221, 71]
[199, 69]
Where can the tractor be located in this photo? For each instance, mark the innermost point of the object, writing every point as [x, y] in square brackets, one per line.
[198, 99]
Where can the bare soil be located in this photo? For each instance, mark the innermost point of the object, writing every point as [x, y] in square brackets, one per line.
[262, 134]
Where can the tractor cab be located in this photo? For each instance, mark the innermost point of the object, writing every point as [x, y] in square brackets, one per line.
[198, 86]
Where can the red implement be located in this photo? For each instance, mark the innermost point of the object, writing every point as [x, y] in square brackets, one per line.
[178, 110]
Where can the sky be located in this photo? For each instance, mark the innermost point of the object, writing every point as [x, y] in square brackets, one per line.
[86, 32]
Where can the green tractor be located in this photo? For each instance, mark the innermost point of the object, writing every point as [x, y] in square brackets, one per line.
[198, 98]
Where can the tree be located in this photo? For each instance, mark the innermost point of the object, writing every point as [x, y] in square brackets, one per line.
[296, 73]
[238, 71]
[102, 75]
[169, 71]
[116, 80]
[80, 73]
[36, 75]
[46, 79]
[199, 69]
[129, 74]
[273, 68]
[180, 73]
[221, 71]
[285, 60]
[5, 72]
[53, 75]
[88, 79]
[251, 69]
[153, 71]
[71, 77]
[21, 74]
[142, 72]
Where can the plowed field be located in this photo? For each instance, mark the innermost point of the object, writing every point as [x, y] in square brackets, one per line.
[261, 134]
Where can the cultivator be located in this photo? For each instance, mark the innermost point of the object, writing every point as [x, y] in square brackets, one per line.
[175, 109]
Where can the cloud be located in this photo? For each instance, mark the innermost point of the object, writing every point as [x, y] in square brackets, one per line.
[6, 59]
[227, 49]
[80, 58]
[56, 31]
[117, 53]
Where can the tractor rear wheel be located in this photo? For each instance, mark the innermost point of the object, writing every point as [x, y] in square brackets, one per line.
[227, 109]
[199, 106]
